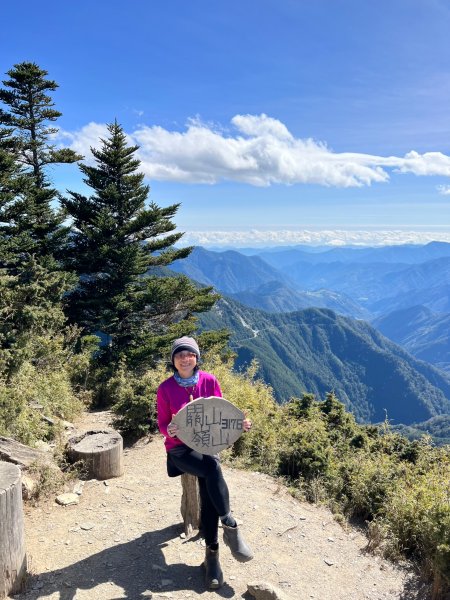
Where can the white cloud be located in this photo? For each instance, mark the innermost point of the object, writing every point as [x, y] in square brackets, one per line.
[444, 190]
[82, 140]
[89, 136]
[258, 125]
[256, 238]
[261, 151]
[430, 163]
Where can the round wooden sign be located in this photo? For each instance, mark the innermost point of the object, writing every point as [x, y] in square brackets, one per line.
[209, 425]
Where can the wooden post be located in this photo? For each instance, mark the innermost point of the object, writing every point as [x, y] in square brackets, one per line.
[101, 451]
[13, 562]
[190, 503]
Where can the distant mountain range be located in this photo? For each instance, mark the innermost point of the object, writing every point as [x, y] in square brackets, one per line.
[255, 283]
[376, 286]
[365, 283]
[406, 253]
[274, 296]
[229, 272]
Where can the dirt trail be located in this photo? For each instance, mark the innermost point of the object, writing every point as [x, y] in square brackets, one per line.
[123, 541]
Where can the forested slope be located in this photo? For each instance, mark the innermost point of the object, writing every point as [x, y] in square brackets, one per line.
[316, 350]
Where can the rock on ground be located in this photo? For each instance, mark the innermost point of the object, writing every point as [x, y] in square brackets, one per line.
[265, 591]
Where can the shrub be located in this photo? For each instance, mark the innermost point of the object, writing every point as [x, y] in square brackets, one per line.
[133, 400]
[42, 386]
[304, 450]
[416, 516]
[367, 481]
[258, 448]
[31, 394]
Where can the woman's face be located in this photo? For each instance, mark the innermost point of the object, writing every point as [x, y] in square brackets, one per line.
[185, 363]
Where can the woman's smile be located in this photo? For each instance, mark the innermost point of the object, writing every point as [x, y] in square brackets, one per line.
[185, 362]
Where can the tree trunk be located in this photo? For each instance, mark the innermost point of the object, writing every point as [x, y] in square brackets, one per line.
[13, 562]
[19, 454]
[101, 452]
[190, 503]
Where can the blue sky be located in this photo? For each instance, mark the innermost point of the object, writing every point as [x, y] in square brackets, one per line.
[270, 121]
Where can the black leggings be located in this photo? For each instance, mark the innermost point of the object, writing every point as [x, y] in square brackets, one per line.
[214, 495]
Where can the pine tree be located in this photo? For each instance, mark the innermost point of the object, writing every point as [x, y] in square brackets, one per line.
[118, 249]
[29, 222]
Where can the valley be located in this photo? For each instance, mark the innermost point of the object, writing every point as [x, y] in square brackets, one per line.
[371, 324]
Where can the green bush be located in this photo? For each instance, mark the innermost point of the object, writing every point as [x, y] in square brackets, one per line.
[367, 481]
[133, 400]
[304, 451]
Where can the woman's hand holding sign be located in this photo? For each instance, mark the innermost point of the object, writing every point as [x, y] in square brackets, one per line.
[172, 429]
[246, 423]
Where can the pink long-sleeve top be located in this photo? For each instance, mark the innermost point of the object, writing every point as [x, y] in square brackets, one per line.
[171, 397]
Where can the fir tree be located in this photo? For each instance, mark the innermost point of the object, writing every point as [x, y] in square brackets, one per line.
[118, 248]
[31, 313]
[12, 183]
[29, 221]
[31, 232]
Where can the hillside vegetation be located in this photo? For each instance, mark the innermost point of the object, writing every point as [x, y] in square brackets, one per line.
[438, 428]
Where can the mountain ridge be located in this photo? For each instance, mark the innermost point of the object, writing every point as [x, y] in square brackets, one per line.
[421, 331]
[316, 350]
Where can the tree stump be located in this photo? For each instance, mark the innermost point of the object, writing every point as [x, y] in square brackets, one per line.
[101, 452]
[13, 562]
[190, 503]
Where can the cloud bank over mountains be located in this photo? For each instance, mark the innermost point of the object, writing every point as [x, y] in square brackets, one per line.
[259, 238]
[257, 150]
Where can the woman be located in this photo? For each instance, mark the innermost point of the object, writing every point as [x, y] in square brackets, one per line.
[187, 384]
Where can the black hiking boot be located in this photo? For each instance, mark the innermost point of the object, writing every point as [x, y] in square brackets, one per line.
[213, 572]
[236, 543]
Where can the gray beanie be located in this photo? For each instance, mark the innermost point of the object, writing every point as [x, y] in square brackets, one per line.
[185, 343]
